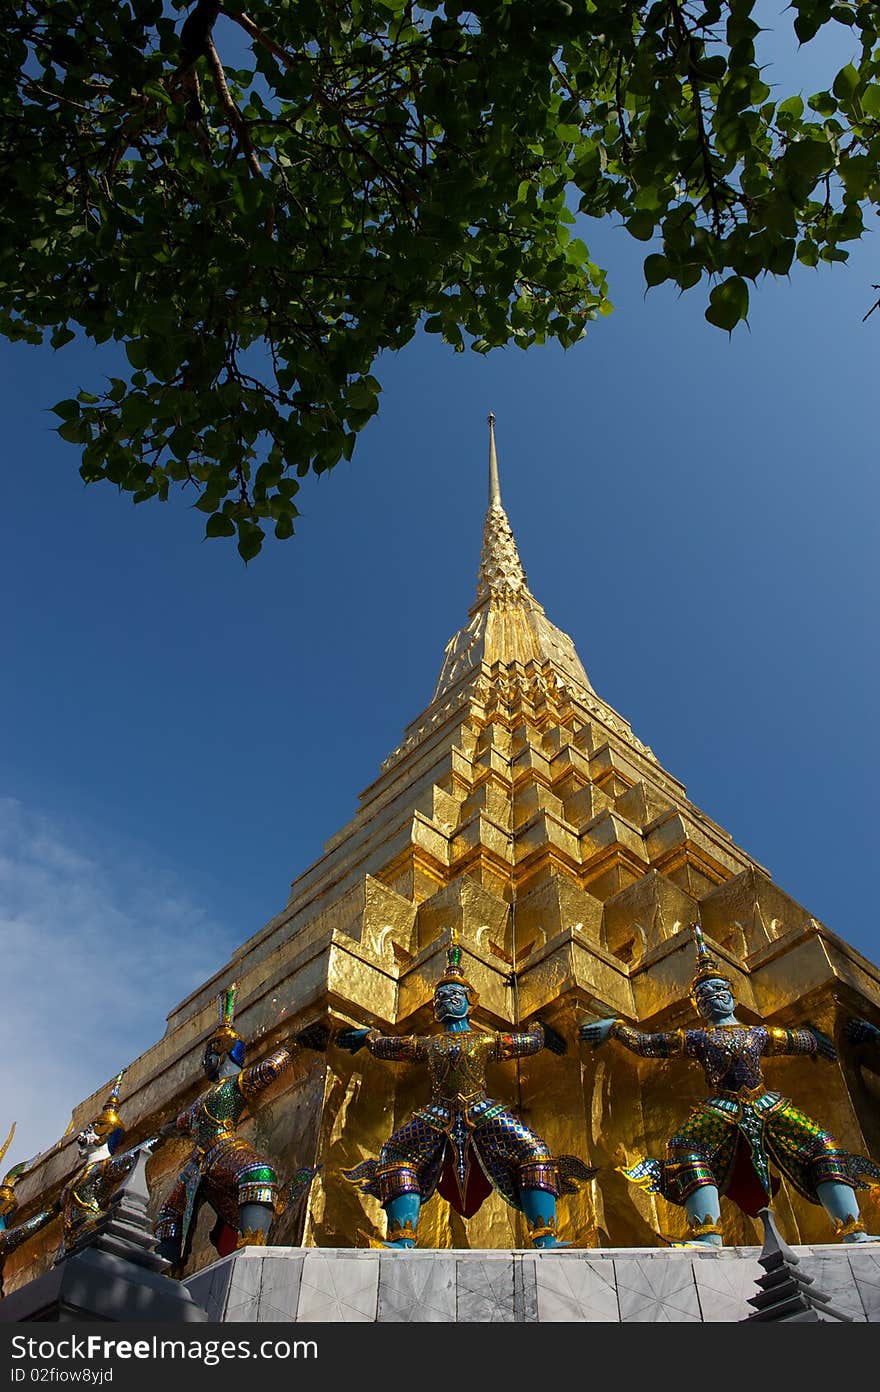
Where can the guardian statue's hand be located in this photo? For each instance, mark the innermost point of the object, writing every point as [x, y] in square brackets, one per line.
[859, 1031]
[315, 1036]
[352, 1039]
[552, 1041]
[824, 1046]
[596, 1032]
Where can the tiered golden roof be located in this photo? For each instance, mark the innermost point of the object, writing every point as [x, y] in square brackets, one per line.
[522, 812]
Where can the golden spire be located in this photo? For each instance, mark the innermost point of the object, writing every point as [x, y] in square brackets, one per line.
[507, 624]
[501, 573]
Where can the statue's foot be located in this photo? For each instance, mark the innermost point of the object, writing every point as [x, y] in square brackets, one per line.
[543, 1232]
[251, 1237]
[852, 1229]
[704, 1240]
[693, 1242]
[368, 1240]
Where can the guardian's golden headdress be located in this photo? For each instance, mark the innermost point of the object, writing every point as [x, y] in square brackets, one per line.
[454, 973]
[225, 1036]
[108, 1119]
[707, 969]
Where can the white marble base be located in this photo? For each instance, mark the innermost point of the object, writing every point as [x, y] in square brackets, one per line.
[607, 1285]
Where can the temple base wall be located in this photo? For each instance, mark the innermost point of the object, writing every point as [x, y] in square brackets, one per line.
[604, 1285]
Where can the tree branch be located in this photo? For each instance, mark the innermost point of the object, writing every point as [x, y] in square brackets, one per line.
[233, 115]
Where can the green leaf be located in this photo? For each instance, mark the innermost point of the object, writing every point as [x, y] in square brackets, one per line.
[728, 303]
[792, 107]
[846, 82]
[871, 100]
[157, 92]
[641, 225]
[136, 352]
[823, 103]
[219, 526]
[76, 432]
[805, 160]
[806, 26]
[250, 541]
[656, 270]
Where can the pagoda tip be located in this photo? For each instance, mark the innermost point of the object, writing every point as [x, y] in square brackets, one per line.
[494, 485]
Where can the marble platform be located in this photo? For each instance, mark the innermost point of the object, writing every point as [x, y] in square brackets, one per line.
[613, 1285]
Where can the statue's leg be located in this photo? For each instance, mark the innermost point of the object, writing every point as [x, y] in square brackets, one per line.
[701, 1149]
[169, 1226]
[538, 1190]
[841, 1205]
[257, 1203]
[407, 1161]
[254, 1222]
[827, 1169]
[402, 1214]
[539, 1208]
[401, 1199]
[703, 1208]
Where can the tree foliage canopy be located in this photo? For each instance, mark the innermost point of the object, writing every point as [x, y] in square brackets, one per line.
[256, 201]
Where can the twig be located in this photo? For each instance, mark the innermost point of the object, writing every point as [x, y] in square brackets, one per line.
[262, 38]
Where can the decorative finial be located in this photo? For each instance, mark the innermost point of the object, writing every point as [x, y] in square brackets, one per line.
[494, 485]
[707, 969]
[8, 1142]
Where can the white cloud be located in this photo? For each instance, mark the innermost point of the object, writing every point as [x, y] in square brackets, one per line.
[96, 946]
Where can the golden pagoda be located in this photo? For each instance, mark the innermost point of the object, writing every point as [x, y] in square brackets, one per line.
[521, 813]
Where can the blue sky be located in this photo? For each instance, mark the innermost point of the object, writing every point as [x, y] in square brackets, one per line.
[182, 733]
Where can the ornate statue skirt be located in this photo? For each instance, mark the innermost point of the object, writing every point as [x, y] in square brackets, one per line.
[729, 1143]
[229, 1173]
[464, 1154]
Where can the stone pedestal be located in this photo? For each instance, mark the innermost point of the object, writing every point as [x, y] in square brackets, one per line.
[604, 1285]
[95, 1285]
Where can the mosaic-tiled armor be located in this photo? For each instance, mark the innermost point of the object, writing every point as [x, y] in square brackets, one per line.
[463, 1143]
[223, 1169]
[730, 1140]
